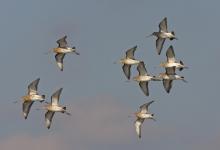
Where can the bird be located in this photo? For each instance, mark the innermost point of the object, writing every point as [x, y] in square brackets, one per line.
[143, 78]
[128, 61]
[162, 35]
[54, 107]
[171, 61]
[62, 50]
[141, 116]
[31, 97]
[168, 78]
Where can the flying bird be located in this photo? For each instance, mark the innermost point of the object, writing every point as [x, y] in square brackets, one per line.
[141, 116]
[62, 50]
[128, 61]
[31, 97]
[171, 61]
[162, 35]
[168, 78]
[54, 107]
[143, 78]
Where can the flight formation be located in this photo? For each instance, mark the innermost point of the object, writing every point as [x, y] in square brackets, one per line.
[143, 77]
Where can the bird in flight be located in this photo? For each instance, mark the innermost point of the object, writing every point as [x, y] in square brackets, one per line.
[31, 97]
[54, 107]
[171, 61]
[141, 116]
[128, 61]
[162, 35]
[62, 50]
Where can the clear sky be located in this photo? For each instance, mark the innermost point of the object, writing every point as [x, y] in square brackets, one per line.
[95, 90]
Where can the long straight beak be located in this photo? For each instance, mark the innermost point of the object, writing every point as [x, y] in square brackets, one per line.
[67, 113]
[153, 119]
[77, 53]
[185, 81]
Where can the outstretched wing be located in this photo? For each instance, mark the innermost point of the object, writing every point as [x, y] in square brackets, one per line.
[32, 87]
[167, 85]
[144, 107]
[48, 118]
[62, 42]
[126, 69]
[170, 55]
[59, 59]
[170, 71]
[26, 108]
[55, 97]
[141, 69]
[138, 124]
[163, 25]
[144, 87]
[159, 44]
[130, 52]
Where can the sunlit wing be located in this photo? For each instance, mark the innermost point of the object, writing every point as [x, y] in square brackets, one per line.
[55, 97]
[170, 55]
[48, 118]
[59, 60]
[32, 87]
[26, 106]
[163, 25]
[144, 107]
[138, 124]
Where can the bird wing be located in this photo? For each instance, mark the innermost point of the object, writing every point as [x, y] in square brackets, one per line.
[170, 71]
[138, 124]
[55, 97]
[144, 107]
[130, 52]
[62, 42]
[126, 69]
[48, 118]
[26, 108]
[144, 87]
[159, 44]
[59, 59]
[163, 25]
[32, 87]
[141, 69]
[170, 55]
[167, 85]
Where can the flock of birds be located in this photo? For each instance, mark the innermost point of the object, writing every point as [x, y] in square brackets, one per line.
[33, 95]
[143, 78]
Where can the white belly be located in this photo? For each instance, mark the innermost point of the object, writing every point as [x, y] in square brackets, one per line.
[166, 35]
[36, 97]
[129, 61]
[145, 116]
[64, 50]
[55, 108]
[143, 78]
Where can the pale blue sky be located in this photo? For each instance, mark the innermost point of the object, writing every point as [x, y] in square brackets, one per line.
[102, 30]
